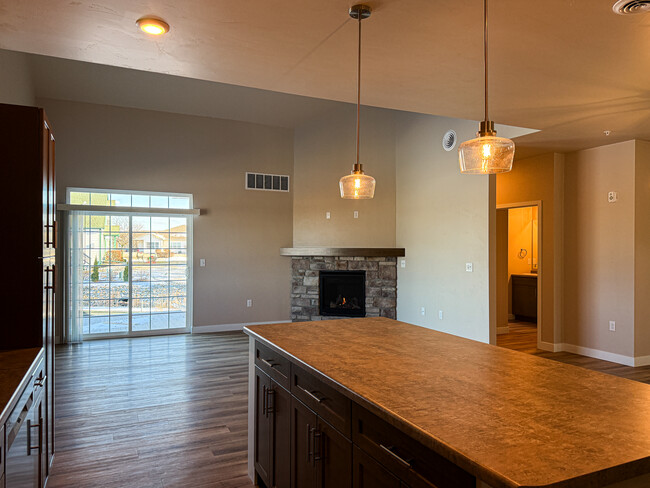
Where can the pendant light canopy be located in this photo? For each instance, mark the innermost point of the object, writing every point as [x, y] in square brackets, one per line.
[358, 185]
[487, 154]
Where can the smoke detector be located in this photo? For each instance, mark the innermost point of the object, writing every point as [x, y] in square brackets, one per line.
[627, 7]
[449, 140]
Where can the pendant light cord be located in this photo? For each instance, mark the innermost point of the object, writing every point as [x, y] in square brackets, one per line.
[358, 86]
[485, 53]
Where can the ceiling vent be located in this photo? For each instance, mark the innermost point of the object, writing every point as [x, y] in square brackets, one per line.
[449, 140]
[626, 7]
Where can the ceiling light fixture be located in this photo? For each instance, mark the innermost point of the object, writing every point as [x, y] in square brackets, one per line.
[153, 26]
[487, 154]
[358, 185]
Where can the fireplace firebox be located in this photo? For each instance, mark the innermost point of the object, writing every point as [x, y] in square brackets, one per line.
[343, 293]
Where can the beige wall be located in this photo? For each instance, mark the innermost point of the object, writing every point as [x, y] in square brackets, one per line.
[642, 250]
[533, 179]
[324, 152]
[599, 248]
[240, 232]
[16, 85]
[443, 221]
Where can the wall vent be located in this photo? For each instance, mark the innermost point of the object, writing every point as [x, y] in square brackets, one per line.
[449, 140]
[262, 181]
[626, 7]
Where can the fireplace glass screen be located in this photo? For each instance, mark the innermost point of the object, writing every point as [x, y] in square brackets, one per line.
[343, 293]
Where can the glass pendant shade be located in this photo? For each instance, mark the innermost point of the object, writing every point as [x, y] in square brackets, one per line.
[486, 155]
[357, 186]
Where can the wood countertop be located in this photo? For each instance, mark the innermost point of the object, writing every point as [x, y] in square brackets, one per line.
[509, 418]
[14, 366]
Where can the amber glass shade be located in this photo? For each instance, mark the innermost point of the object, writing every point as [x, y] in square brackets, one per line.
[357, 186]
[486, 155]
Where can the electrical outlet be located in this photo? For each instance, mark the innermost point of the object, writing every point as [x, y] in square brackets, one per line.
[612, 326]
[612, 196]
[440, 314]
[402, 263]
[202, 262]
[468, 267]
[422, 311]
[249, 303]
[356, 214]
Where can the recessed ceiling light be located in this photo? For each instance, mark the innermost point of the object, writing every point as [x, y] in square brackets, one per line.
[153, 26]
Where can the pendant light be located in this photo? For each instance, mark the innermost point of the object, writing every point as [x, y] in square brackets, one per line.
[358, 185]
[487, 154]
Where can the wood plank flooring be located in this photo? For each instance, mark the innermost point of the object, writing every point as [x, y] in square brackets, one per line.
[152, 412]
[523, 337]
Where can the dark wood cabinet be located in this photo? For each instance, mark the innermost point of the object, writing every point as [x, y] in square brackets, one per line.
[27, 147]
[272, 432]
[304, 423]
[329, 441]
[333, 458]
[368, 473]
[524, 297]
[262, 428]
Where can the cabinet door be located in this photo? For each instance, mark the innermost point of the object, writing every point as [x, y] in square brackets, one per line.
[262, 427]
[304, 423]
[280, 407]
[368, 473]
[333, 455]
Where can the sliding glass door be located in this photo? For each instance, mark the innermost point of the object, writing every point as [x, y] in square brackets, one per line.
[129, 273]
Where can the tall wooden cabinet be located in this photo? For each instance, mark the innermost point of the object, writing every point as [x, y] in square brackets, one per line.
[27, 147]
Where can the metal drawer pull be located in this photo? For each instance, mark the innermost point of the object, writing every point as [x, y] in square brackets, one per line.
[270, 401]
[264, 399]
[268, 363]
[319, 400]
[318, 441]
[31, 426]
[390, 451]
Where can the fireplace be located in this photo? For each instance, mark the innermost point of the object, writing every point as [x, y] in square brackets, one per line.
[342, 293]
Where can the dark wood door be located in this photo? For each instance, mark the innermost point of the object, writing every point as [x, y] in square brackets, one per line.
[368, 473]
[280, 407]
[333, 454]
[262, 427]
[304, 423]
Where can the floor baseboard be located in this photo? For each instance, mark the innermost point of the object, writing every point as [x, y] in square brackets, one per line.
[209, 329]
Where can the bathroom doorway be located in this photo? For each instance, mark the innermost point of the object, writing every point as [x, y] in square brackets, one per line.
[519, 273]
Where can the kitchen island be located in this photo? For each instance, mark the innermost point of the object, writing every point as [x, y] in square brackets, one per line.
[415, 407]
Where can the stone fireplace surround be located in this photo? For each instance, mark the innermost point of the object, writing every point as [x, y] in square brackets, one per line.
[380, 266]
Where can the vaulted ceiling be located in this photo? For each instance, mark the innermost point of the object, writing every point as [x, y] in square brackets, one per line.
[570, 68]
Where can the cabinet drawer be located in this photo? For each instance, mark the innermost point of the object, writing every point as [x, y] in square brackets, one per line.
[409, 460]
[273, 364]
[329, 404]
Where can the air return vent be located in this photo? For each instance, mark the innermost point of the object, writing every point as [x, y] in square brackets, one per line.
[262, 181]
[449, 140]
[626, 7]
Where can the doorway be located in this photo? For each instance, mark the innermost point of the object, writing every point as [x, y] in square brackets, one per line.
[128, 264]
[519, 274]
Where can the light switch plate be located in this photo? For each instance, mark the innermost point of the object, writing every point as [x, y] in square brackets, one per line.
[328, 215]
[356, 214]
[402, 263]
[202, 262]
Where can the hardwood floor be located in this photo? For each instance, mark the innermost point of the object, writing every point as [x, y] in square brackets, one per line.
[151, 412]
[523, 337]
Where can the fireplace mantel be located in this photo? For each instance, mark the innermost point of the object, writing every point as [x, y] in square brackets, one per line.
[344, 251]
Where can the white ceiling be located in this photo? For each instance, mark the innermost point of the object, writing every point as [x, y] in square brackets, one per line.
[571, 68]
